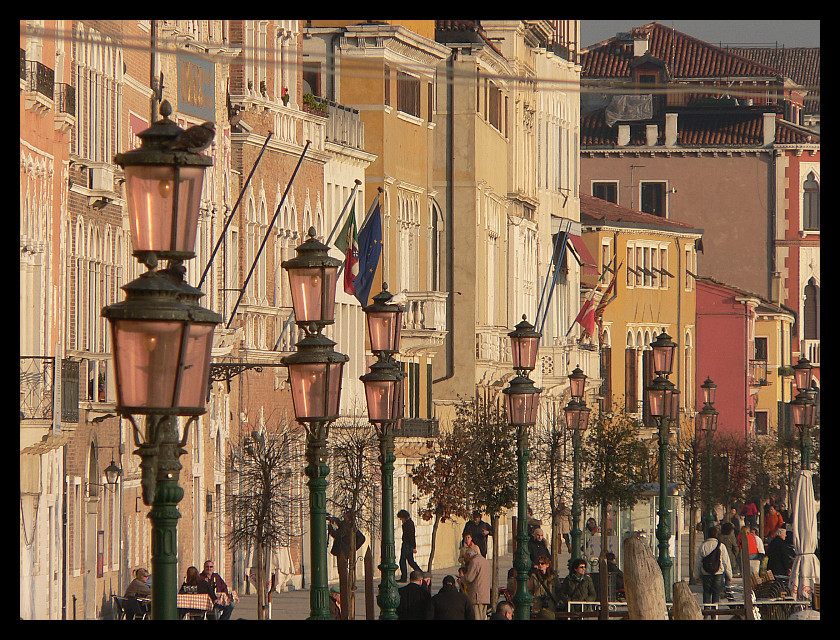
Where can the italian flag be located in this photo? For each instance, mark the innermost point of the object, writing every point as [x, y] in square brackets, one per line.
[348, 243]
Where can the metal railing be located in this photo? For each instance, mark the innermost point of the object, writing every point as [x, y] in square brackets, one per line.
[37, 375]
[65, 98]
[811, 350]
[40, 78]
[417, 428]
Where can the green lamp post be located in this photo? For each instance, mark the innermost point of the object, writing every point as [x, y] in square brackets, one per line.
[706, 423]
[162, 338]
[663, 405]
[315, 380]
[384, 389]
[577, 421]
[521, 402]
[804, 409]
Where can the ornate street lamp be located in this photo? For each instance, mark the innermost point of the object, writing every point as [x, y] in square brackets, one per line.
[384, 389]
[706, 422]
[521, 403]
[577, 421]
[315, 379]
[664, 407]
[161, 336]
[804, 408]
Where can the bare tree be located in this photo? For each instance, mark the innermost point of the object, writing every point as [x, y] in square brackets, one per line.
[264, 495]
[440, 478]
[687, 455]
[355, 473]
[550, 474]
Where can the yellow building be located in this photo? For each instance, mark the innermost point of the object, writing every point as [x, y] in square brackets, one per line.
[655, 264]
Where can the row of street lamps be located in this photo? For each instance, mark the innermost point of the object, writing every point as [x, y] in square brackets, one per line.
[162, 341]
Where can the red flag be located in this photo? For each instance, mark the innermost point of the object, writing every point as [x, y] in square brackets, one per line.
[586, 317]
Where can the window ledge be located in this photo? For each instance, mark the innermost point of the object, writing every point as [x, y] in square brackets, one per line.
[409, 118]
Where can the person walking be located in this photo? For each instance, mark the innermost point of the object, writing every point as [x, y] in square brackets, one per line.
[749, 511]
[408, 547]
[449, 603]
[479, 530]
[773, 523]
[414, 598]
[712, 566]
[477, 581]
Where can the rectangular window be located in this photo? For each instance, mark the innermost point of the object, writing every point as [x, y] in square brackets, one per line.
[640, 261]
[495, 107]
[606, 191]
[311, 78]
[689, 269]
[631, 264]
[408, 94]
[761, 423]
[663, 265]
[630, 381]
[653, 198]
[387, 75]
[431, 96]
[761, 348]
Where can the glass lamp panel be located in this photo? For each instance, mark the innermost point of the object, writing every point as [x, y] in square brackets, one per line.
[811, 413]
[384, 329]
[334, 388]
[191, 180]
[308, 382]
[146, 359]
[702, 421]
[656, 400]
[195, 370]
[798, 409]
[531, 404]
[802, 375]
[522, 407]
[313, 293]
[112, 472]
[524, 352]
[150, 190]
[663, 359]
[578, 384]
[380, 395]
[709, 390]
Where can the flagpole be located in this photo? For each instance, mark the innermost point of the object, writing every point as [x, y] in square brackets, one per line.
[548, 271]
[230, 218]
[367, 218]
[268, 232]
[343, 211]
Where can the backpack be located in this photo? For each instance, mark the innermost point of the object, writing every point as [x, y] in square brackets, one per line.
[711, 562]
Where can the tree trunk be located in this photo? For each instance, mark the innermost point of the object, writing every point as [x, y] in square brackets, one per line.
[643, 582]
[692, 538]
[602, 567]
[494, 586]
[434, 540]
[685, 604]
[344, 586]
[258, 561]
[746, 575]
[370, 597]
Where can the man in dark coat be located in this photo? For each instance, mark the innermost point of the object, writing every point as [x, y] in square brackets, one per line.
[414, 598]
[449, 603]
[479, 530]
[780, 554]
[408, 547]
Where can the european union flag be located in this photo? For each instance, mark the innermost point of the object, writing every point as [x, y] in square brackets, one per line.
[370, 248]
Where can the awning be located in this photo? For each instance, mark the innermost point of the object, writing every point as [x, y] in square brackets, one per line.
[582, 255]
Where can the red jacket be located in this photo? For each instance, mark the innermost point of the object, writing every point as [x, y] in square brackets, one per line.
[773, 522]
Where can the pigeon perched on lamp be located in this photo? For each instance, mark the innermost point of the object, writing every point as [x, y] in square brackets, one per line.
[195, 139]
[399, 298]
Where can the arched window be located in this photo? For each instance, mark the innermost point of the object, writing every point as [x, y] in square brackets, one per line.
[811, 312]
[811, 203]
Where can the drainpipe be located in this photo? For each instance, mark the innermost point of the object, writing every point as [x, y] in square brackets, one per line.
[450, 197]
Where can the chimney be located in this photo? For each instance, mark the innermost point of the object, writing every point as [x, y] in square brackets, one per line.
[623, 135]
[769, 129]
[640, 46]
[671, 129]
[651, 134]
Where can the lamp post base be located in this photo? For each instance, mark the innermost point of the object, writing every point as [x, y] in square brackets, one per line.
[317, 470]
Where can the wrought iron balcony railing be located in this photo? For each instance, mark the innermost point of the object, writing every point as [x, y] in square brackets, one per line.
[40, 78]
[417, 428]
[37, 375]
[65, 98]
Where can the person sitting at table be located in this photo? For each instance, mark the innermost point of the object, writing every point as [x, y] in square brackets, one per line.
[218, 590]
[139, 587]
[193, 583]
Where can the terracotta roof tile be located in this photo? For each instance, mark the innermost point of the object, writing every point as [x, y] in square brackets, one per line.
[685, 56]
[800, 64]
[594, 210]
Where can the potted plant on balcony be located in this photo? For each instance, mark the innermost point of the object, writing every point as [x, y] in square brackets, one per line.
[284, 96]
[311, 105]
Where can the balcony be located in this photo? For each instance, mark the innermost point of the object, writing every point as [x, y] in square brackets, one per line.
[39, 86]
[417, 428]
[65, 107]
[424, 321]
[758, 373]
[344, 126]
[37, 374]
[556, 361]
[811, 350]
